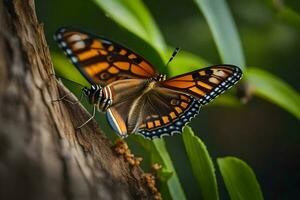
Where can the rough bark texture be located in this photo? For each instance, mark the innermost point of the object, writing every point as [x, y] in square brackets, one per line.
[41, 154]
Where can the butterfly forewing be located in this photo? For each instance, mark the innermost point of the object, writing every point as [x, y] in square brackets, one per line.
[207, 83]
[101, 61]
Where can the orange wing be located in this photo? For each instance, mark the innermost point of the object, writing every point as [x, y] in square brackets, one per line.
[207, 83]
[101, 61]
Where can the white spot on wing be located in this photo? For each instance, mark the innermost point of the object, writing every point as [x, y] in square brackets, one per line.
[59, 36]
[63, 44]
[74, 59]
[68, 51]
[79, 45]
[74, 38]
[219, 73]
[213, 80]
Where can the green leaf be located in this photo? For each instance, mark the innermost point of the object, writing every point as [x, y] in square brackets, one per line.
[202, 165]
[164, 174]
[67, 70]
[289, 15]
[286, 13]
[135, 17]
[170, 186]
[224, 31]
[239, 179]
[185, 62]
[226, 100]
[275, 90]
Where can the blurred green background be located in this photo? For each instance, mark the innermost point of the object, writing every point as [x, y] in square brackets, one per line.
[260, 133]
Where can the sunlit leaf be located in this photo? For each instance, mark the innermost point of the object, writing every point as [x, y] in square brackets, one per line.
[135, 17]
[202, 165]
[164, 174]
[67, 70]
[239, 179]
[274, 90]
[185, 62]
[224, 31]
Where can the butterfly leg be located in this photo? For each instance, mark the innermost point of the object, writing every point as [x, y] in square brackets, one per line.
[87, 121]
[63, 98]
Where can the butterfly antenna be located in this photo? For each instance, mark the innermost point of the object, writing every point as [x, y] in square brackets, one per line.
[60, 77]
[175, 52]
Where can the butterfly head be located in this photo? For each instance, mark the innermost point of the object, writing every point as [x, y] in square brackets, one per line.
[92, 93]
[86, 91]
[160, 77]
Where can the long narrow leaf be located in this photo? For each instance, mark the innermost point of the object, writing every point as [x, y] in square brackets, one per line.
[239, 179]
[224, 30]
[202, 165]
[134, 16]
[173, 184]
[67, 70]
[170, 187]
[185, 62]
[274, 90]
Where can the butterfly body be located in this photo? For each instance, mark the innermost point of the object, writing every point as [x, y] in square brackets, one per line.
[102, 97]
[98, 96]
[135, 97]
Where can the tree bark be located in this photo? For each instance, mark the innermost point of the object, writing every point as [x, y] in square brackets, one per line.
[42, 156]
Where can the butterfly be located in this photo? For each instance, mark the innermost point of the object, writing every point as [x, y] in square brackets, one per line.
[135, 97]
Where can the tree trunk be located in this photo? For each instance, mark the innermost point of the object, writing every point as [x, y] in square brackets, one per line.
[42, 156]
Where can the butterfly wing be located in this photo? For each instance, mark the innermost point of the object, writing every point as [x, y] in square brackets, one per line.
[123, 93]
[101, 61]
[166, 108]
[207, 83]
[161, 111]
[166, 112]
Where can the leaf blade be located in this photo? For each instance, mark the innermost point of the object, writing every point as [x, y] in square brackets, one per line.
[135, 17]
[274, 90]
[185, 62]
[67, 70]
[239, 179]
[202, 165]
[224, 31]
[171, 187]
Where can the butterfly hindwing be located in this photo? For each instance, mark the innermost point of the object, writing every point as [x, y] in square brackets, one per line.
[124, 93]
[161, 111]
[167, 114]
[102, 61]
[207, 83]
